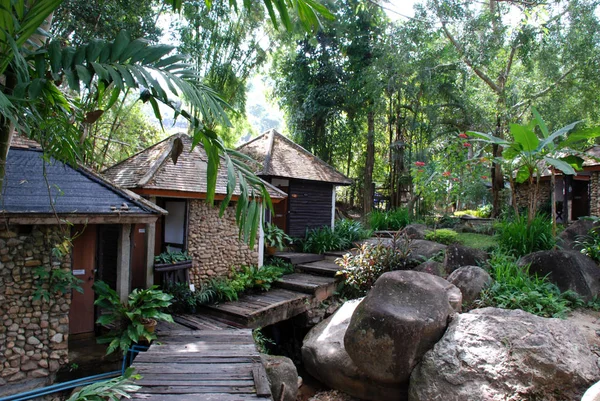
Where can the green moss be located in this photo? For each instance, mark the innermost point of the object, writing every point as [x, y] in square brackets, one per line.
[477, 241]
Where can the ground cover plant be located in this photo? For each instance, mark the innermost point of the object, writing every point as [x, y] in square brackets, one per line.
[444, 236]
[477, 241]
[390, 220]
[518, 236]
[343, 237]
[185, 300]
[590, 244]
[515, 288]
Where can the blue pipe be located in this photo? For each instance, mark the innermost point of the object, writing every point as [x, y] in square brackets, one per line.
[39, 392]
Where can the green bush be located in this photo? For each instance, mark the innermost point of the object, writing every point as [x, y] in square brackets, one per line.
[514, 288]
[444, 236]
[361, 270]
[351, 230]
[185, 300]
[248, 278]
[324, 239]
[392, 220]
[590, 244]
[481, 212]
[518, 237]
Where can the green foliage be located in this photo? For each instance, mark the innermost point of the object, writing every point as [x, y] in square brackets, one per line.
[248, 278]
[351, 230]
[590, 244]
[49, 282]
[478, 241]
[262, 342]
[285, 267]
[442, 235]
[519, 237]
[324, 239]
[392, 220]
[109, 390]
[482, 212]
[275, 236]
[185, 300]
[514, 288]
[362, 269]
[127, 320]
[172, 257]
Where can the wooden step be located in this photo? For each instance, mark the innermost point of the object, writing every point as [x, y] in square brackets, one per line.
[333, 255]
[322, 268]
[261, 309]
[296, 258]
[319, 286]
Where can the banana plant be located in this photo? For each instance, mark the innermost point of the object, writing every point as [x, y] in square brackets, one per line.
[528, 155]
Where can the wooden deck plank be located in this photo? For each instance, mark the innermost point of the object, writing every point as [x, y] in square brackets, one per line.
[194, 397]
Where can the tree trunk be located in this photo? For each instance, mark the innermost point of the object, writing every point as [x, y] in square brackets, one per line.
[369, 164]
[553, 201]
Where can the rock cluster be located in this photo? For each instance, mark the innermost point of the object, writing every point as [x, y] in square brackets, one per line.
[214, 244]
[33, 333]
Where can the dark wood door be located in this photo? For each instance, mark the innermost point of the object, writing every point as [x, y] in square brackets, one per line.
[138, 257]
[280, 210]
[580, 205]
[81, 314]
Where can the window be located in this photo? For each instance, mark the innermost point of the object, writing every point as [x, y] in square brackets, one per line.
[175, 225]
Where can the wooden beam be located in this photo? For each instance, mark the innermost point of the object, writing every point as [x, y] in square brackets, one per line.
[35, 218]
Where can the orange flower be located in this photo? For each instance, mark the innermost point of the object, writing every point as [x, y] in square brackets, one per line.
[466, 144]
[463, 135]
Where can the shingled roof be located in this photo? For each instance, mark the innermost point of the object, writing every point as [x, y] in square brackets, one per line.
[281, 157]
[66, 191]
[153, 169]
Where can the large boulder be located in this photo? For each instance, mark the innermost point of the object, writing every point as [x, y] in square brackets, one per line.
[566, 239]
[569, 270]
[325, 358]
[499, 354]
[415, 231]
[458, 256]
[431, 267]
[421, 250]
[281, 370]
[402, 317]
[470, 280]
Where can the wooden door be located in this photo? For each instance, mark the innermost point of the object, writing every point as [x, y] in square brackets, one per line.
[280, 210]
[81, 314]
[580, 205]
[138, 257]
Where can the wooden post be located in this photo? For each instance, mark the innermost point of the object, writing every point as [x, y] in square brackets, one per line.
[150, 241]
[124, 262]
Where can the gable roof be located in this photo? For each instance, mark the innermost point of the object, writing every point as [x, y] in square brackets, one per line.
[65, 190]
[153, 169]
[281, 157]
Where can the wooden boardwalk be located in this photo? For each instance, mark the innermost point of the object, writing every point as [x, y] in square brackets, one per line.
[202, 365]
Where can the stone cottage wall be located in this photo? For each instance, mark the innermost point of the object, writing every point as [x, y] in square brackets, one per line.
[213, 243]
[595, 194]
[544, 194]
[33, 334]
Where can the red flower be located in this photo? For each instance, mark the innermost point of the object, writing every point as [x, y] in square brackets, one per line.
[446, 173]
[420, 171]
[466, 144]
[463, 135]
[455, 179]
[419, 164]
[484, 177]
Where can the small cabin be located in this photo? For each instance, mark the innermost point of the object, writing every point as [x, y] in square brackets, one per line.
[309, 182]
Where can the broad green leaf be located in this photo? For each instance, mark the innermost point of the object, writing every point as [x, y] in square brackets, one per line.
[561, 132]
[119, 45]
[540, 122]
[522, 174]
[574, 161]
[525, 137]
[510, 153]
[488, 138]
[561, 165]
[581, 135]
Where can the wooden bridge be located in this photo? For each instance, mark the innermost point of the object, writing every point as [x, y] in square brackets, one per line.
[211, 355]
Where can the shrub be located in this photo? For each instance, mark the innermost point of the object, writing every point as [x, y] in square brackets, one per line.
[324, 239]
[444, 236]
[482, 212]
[392, 220]
[351, 230]
[185, 300]
[590, 244]
[248, 278]
[362, 269]
[514, 288]
[518, 237]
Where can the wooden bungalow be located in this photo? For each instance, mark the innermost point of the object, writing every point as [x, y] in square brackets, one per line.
[191, 225]
[308, 181]
[43, 203]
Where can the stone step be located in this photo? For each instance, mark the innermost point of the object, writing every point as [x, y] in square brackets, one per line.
[296, 258]
[333, 255]
[319, 286]
[321, 268]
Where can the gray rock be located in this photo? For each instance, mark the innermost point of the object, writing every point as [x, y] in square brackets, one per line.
[569, 270]
[325, 358]
[415, 231]
[281, 370]
[432, 267]
[566, 239]
[458, 256]
[592, 394]
[499, 354]
[422, 250]
[470, 280]
[401, 318]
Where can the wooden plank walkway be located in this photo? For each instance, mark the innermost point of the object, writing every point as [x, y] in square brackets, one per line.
[202, 365]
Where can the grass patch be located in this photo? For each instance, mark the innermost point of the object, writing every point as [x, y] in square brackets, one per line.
[477, 241]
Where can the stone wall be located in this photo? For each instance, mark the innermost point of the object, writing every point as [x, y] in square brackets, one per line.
[543, 198]
[213, 243]
[33, 334]
[595, 194]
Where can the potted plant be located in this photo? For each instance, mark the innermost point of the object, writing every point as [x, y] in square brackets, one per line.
[173, 265]
[275, 238]
[131, 321]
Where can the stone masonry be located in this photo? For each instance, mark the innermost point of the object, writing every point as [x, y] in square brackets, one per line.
[522, 194]
[33, 333]
[595, 194]
[213, 243]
